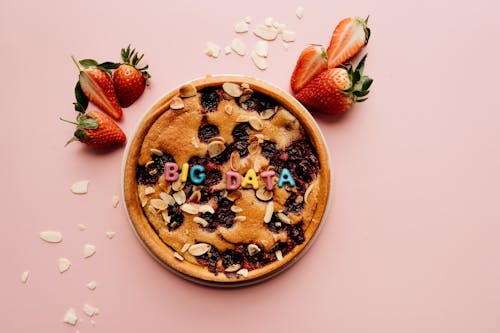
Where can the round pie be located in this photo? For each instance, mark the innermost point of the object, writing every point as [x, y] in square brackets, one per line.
[226, 180]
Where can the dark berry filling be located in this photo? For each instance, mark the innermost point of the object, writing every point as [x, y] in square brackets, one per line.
[294, 203]
[269, 149]
[240, 132]
[231, 257]
[149, 175]
[258, 102]
[210, 99]
[176, 217]
[207, 131]
[210, 259]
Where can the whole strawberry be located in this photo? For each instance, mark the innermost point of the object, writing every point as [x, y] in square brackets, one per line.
[96, 130]
[130, 79]
[335, 90]
[97, 85]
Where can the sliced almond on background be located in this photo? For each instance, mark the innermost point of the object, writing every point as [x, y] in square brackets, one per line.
[288, 36]
[227, 49]
[212, 50]
[110, 234]
[199, 249]
[82, 227]
[149, 190]
[262, 48]
[241, 27]
[190, 209]
[200, 221]
[259, 61]
[63, 264]
[176, 104]
[51, 236]
[299, 12]
[80, 187]
[70, 317]
[268, 22]
[90, 310]
[248, 19]
[265, 32]
[159, 204]
[88, 250]
[92, 285]
[238, 46]
[24, 276]
[179, 197]
[115, 200]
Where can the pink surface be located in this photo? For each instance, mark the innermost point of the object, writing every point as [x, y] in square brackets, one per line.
[412, 240]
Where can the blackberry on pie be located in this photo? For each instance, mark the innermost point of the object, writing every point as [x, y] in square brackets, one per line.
[229, 185]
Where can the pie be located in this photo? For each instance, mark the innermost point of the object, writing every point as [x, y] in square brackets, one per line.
[226, 180]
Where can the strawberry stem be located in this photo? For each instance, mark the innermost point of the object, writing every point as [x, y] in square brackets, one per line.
[68, 121]
[77, 63]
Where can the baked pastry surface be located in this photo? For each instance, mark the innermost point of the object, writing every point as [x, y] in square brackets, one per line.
[201, 226]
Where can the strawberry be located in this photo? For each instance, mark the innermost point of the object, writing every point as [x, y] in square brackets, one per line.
[129, 79]
[335, 90]
[96, 130]
[312, 61]
[348, 38]
[97, 86]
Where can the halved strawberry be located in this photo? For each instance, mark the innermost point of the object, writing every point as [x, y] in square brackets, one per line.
[312, 61]
[97, 85]
[348, 38]
[335, 90]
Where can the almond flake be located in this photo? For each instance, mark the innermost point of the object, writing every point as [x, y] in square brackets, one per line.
[24, 276]
[200, 221]
[241, 27]
[149, 190]
[92, 285]
[176, 104]
[206, 209]
[253, 249]
[227, 49]
[110, 234]
[178, 256]
[159, 204]
[89, 310]
[82, 227]
[166, 217]
[308, 192]
[179, 197]
[185, 247]
[269, 212]
[63, 264]
[248, 19]
[115, 200]
[265, 32]
[256, 123]
[288, 36]
[286, 46]
[240, 218]
[242, 272]
[238, 46]
[70, 317]
[279, 255]
[156, 152]
[262, 48]
[242, 118]
[268, 22]
[88, 250]
[299, 12]
[228, 109]
[283, 218]
[259, 61]
[213, 50]
[80, 187]
[215, 148]
[190, 209]
[199, 249]
[187, 90]
[178, 185]
[233, 268]
[51, 236]
[167, 198]
[236, 209]
[232, 89]
[194, 142]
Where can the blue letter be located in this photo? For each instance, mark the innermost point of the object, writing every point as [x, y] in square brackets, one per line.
[197, 174]
[286, 177]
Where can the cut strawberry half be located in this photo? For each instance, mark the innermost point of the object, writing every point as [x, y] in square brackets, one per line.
[348, 38]
[312, 61]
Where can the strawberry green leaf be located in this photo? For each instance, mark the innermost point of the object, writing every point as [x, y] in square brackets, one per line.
[88, 63]
[361, 100]
[366, 82]
[108, 65]
[81, 99]
[361, 93]
[78, 107]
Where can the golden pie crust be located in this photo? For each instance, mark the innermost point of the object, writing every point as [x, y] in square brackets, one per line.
[247, 247]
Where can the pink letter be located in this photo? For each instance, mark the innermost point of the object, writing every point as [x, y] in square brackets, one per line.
[233, 180]
[268, 178]
[171, 173]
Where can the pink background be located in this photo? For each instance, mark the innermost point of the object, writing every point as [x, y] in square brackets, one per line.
[412, 240]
